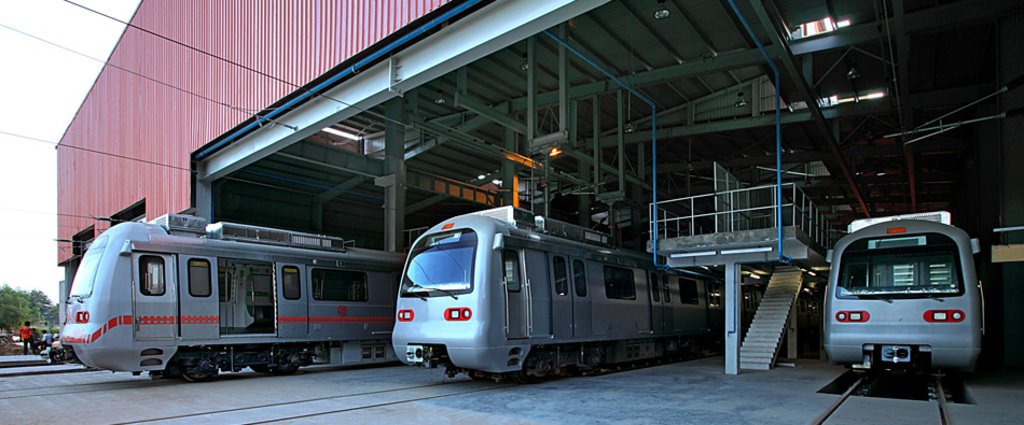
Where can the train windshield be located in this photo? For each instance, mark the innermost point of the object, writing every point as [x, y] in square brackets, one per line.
[85, 277]
[441, 265]
[914, 266]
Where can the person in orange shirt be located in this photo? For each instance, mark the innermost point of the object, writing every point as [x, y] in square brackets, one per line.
[26, 337]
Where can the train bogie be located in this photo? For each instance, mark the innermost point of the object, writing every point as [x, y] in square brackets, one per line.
[183, 302]
[904, 293]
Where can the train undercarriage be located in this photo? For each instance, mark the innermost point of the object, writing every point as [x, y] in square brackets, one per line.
[199, 363]
[574, 359]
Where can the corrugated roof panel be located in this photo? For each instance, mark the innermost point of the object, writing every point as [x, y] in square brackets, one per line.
[163, 121]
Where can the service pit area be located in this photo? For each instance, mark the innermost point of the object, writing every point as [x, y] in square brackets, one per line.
[692, 392]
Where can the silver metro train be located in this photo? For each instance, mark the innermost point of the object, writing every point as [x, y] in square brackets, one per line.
[501, 293]
[183, 299]
[903, 292]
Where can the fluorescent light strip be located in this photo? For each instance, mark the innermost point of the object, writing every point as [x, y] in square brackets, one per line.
[340, 133]
[747, 250]
[692, 254]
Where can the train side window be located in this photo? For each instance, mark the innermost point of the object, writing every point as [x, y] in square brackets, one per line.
[561, 271]
[668, 290]
[151, 275]
[655, 287]
[579, 277]
[291, 283]
[688, 293]
[619, 283]
[510, 259]
[339, 285]
[199, 278]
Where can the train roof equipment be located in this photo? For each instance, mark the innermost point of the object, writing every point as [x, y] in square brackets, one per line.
[197, 226]
[943, 217]
[524, 219]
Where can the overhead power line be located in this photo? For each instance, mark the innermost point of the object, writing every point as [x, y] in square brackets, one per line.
[67, 146]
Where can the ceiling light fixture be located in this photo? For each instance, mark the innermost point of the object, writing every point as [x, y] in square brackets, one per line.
[662, 12]
[554, 151]
[742, 100]
[340, 133]
[852, 74]
[630, 129]
[525, 65]
[440, 98]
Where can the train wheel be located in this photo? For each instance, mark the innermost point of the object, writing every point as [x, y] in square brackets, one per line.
[261, 368]
[286, 369]
[197, 377]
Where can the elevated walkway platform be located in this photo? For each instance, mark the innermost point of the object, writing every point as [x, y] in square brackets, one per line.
[738, 226]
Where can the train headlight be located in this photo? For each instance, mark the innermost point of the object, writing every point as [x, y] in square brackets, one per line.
[944, 316]
[458, 314]
[852, 316]
[405, 315]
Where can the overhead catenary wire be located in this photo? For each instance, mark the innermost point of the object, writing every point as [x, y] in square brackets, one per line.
[67, 146]
[378, 115]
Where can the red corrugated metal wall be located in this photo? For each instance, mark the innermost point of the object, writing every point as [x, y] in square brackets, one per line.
[135, 117]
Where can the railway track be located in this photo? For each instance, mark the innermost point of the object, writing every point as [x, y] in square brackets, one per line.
[324, 406]
[867, 384]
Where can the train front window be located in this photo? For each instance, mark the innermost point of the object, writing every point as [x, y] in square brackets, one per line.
[441, 265]
[900, 267]
[85, 277]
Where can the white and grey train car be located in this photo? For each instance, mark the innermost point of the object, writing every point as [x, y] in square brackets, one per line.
[903, 292]
[501, 292]
[185, 299]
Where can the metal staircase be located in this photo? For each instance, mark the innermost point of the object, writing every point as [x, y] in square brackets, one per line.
[761, 345]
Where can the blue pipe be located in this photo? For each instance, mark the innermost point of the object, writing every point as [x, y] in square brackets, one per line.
[260, 120]
[778, 132]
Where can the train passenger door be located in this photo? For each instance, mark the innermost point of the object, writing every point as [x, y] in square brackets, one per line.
[197, 311]
[292, 309]
[538, 288]
[516, 302]
[657, 308]
[247, 296]
[561, 298]
[581, 309]
[155, 307]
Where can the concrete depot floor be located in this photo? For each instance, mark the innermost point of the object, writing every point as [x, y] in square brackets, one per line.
[688, 392]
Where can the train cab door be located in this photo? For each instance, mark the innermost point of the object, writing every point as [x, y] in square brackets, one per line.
[561, 298]
[292, 309]
[197, 310]
[581, 308]
[155, 306]
[517, 313]
[657, 305]
[538, 288]
[668, 311]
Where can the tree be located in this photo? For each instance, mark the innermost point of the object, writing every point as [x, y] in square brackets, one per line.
[41, 305]
[15, 308]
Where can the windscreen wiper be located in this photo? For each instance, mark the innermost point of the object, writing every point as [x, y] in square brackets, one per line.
[416, 294]
[450, 294]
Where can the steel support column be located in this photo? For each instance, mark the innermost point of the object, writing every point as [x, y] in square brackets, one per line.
[394, 178]
[733, 324]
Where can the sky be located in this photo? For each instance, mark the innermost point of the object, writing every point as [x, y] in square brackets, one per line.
[41, 89]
